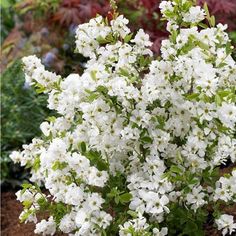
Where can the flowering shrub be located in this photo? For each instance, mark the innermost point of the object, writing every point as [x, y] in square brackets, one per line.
[138, 142]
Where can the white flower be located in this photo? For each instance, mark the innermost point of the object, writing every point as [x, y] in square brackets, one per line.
[119, 26]
[46, 227]
[155, 203]
[171, 26]
[23, 196]
[226, 188]
[195, 15]
[162, 232]
[81, 218]
[226, 224]
[67, 223]
[139, 225]
[36, 73]
[227, 114]
[102, 219]
[45, 127]
[142, 39]
[206, 111]
[95, 201]
[196, 198]
[74, 195]
[97, 178]
[166, 6]
[16, 156]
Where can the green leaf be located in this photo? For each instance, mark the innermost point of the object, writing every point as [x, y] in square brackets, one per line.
[224, 93]
[92, 97]
[59, 210]
[169, 14]
[146, 139]
[132, 213]
[133, 79]
[204, 26]
[144, 61]
[186, 6]
[193, 181]
[128, 37]
[213, 21]
[57, 165]
[222, 64]
[93, 75]
[27, 204]
[126, 197]
[228, 48]
[51, 119]
[179, 157]
[39, 88]
[203, 45]
[26, 186]
[218, 100]
[190, 228]
[26, 215]
[161, 122]
[205, 7]
[102, 89]
[82, 147]
[124, 72]
[176, 169]
[102, 40]
[104, 232]
[174, 35]
[114, 192]
[187, 48]
[117, 200]
[43, 203]
[36, 164]
[96, 160]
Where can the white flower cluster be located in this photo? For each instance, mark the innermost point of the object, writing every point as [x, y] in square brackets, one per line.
[193, 14]
[35, 73]
[138, 226]
[226, 188]
[163, 125]
[46, 227]
[226, 224]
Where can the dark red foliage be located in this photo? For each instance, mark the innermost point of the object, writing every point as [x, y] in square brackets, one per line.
[224, 11]
[151, 22]
[79, 11]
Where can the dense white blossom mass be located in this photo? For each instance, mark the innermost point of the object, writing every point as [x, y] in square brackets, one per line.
[134, 134]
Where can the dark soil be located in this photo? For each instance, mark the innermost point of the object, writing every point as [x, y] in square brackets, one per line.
[10, 211]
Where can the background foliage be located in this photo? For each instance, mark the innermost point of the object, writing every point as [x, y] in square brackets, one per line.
[22, 111]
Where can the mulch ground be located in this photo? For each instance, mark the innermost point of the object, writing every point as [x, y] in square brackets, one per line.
[10, 211]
